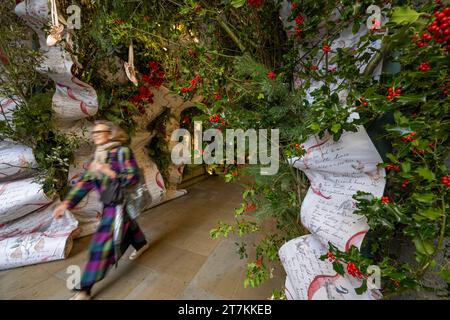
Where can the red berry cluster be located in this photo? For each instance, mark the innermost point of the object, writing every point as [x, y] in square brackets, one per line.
[446, 180]
[250, 207]
[405, 183]
[217, 96]
[259, 263]
[326, 48]
[186, 120]
[191, 52]
[363, 102]
[118, 22]
[385, 200]
[154, 79]
[424, 67]
[417, 151]
[393, 93]
[409, 137]
[156, 76]
[271, 75]
[330, 256]
[255, 3]
[353, 270]
[438, 30]
[393, 167]
[298, 20]
[193, 84]
[296, 147]
[144, 96]
[215, 118]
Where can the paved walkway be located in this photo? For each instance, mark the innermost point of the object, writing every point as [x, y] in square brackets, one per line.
[182, 262]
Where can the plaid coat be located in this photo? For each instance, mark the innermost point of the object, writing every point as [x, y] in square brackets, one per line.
[102, 247]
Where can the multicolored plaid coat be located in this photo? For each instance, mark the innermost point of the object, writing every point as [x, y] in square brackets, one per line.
[102, 247]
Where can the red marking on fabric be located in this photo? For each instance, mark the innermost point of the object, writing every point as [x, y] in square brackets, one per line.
[310, 150]
[83, 108]
[318, 283]
[159, 180]
[319, 193]
[354, 239]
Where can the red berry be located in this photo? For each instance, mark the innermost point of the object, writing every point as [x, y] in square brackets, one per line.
[271, 75]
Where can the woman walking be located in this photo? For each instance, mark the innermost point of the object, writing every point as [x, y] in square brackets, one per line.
[112, 161]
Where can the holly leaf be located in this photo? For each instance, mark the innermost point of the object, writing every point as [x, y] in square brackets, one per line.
[404, 15]
[445, 274]
[406, 167]
[426, 173]
[419, 245]
[431, 213]
[339, 268]
[336, 127]
[362, 288]
[427, 198]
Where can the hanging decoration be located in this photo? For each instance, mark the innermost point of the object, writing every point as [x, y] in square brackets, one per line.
[129, 66]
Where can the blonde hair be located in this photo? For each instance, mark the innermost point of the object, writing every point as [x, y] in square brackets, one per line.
[117, 133]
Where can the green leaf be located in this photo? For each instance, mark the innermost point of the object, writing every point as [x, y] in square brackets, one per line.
[336, 127]
[427, 198]
[261, 96]
[203, 107]
[429, 247]
[315, 127]
[339, 268]
[391, 157]
[431, 213]
[237, 3]
[362, 288]
[404, 15]
[419, 245]
[406, 167]
[445, 274]
[426, 173]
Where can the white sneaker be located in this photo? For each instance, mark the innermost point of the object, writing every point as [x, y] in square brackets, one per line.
[81, 295]
[136, 254]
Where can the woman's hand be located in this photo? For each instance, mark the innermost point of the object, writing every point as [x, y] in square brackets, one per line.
[60, 209]
[106, 169]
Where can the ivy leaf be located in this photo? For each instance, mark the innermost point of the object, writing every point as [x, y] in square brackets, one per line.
[362, 288]
[404, 15]
[426, 173]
